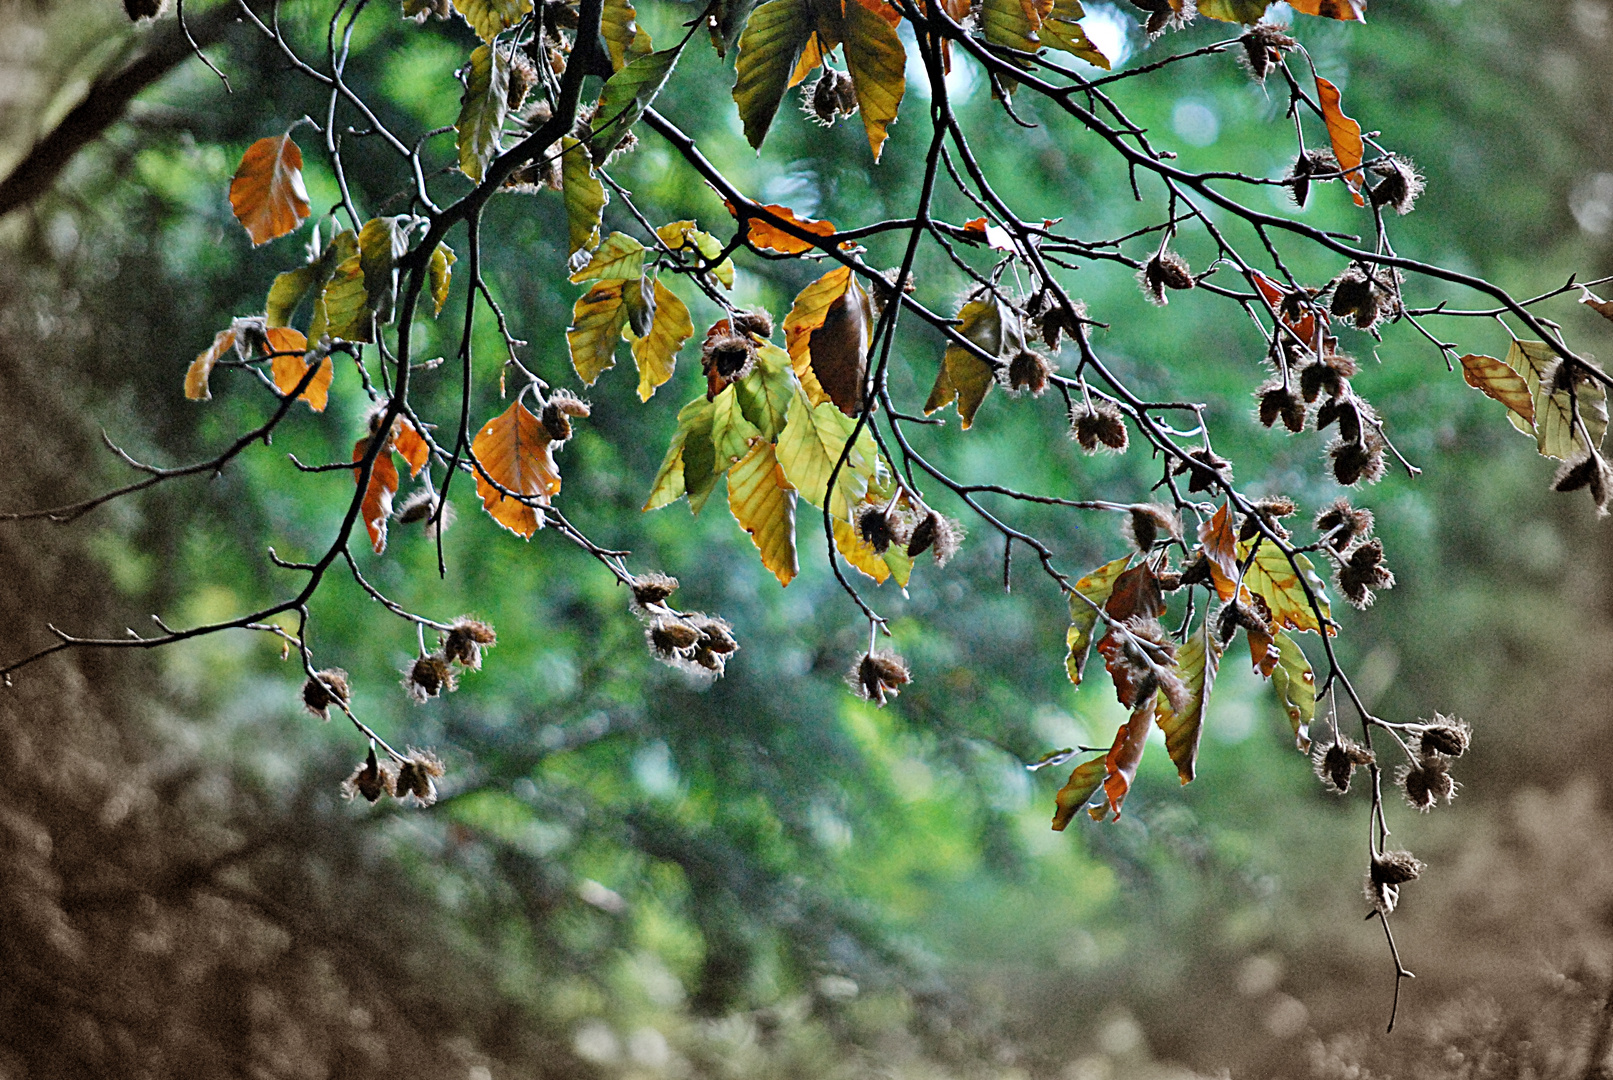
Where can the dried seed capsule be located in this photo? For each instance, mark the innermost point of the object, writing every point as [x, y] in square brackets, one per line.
[429, 676]
[1166, 270]
[417, 777]
[1337, 763]
[729, 357]
[652, 589]
[1340, 524]
[370, 780]
[1145, 522]
[753, 321]
[465, 640]
[1098, 424]
[875, 526]
[938, 533]
[878, 676]
[1400, 186]
[1446, 735]
[1029, 371]
[669, 636]
[324, 689]
[1263, 47]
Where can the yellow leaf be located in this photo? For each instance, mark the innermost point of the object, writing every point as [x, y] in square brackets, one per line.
[342, 310]
[624, 38]
[583, 194]
[267, 192]
[1501, 383]
[488, 17]
[513, 449]
[763, 503]
[1196, 664]
[1062, 30]
[440, 271]
[965, 377]
[482, 109]
[811, 60]
[813, 439]
[1343, 10]
[1273, 578]
[1345, 135]
[596, 327]
[620, 256]
[377, 505]
[1296, 688]
[878, 66]
[289, 365]
[656, 353]
[678, 234]
[772, 43]
[731, 433]
[859, 552]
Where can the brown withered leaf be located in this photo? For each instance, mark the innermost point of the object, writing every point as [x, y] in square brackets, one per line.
[1220, 542]
[201, 368]
[1120, 764]
[769, 237]
[1091, 592]
[407, 440]
[807, 315]
[1498, 381]
[1602, 307]
[377, 505]
[839, 348]
[1346, 136]
[267, 192]
[513, 449]
[1196, 664]
[1136, 592]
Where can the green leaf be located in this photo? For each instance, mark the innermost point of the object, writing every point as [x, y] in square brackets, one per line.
[291, 287]
[700, 470]
[1095, 587]
[381, 243]
[596, 327]
[342, 310]
[768, 50]
[1239, 11]
[656, 353]
[668, 487]
[965, 377]
[482, 110]
[488, 17]
[878, 66]
[584, 195]
[764, 394]
[1062, 30]
[624, 38]
[1010, 23]
[731, 433]
[620, 256]
[625, 97]
[811, 443]
[1196, 664]
[440, 272]
[1295, 683]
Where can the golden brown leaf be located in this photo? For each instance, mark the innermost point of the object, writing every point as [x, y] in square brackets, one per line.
[407, 440]
[1498, 381]
[1220, 542]
[1343, 10]
[267, 193]
[377, 505]
[1345, 135]
[763, 502]
[513, 450]
[201, 368]
[810, 310]
[1078, 789]
[289, 364]
[769, 237]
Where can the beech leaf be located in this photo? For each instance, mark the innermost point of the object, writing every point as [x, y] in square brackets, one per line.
[267, 192]
[1062, 30]
[620, 256]
[407, 441]
[878, 66]
[765, 394]
[596, 326]
[201, 368]
[1272, 578]
[625, 39]
[806, 315]
[482, 110]
[381, 243]
[1220, 541]
[440, 272]
[860, 553]
[1196, 664]
[769, 48]
[376, 506]
[514, 450]
[1120, 764]
[583, 194]
[1498, 381]
[763, 503]
[488, 17]
[1555, 434]
[290, 364]
[656, 353]
[769, 237]
[1345, 135]
[1078, 789]
[687, 468]
[1094, 587]
[731, 433]
[678, 234]
[625, 97]
[342, 311]
[1295, 683]
[812, 441]
[964, 377]
[1343, 10]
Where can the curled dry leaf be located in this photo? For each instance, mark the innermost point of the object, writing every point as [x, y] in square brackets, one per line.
[1345, 135]
[376, 507]
[267, 192]
[513, 450]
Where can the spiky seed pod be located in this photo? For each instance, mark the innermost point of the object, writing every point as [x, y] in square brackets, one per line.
[429, 676]
[1447, 735]
[753, 321]
[1336, 764]
[878, 676]
[1341, 364]
[1162, 15]
[830, 97]
[1280, 402]
[1425, 781]
[465, 640]
[1263, 46]
[669, 637]
[876, 526]
[1317, 379]
[1339, 523]
[1363, 572]
[651, 590]
[1384, 877]
[1591, 472]
[1354, 297]
[715, 634]
[370, 780]
[1144, 522]
[1204, 467]
[556, 423]
[1268, 512]
[324, 689]
[417, 507]
[1101, 423]
[1197, 572]
[417, 777]
[1028, 372]
[570, 404]
[1169, 580]
[1400, 186]
[1309, 167]
[922, 538]
[523, 77]
[1166, 270]
[847, 90]
[1236, 614]
[1357, 460]
[153, 9]
[728, 356]
[938, 534]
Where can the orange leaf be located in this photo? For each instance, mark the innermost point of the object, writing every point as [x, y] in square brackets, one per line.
[764, 234]
[1496, 380]
[1262, 653]
[1346, 136]
[201, 368]
[885, 10]
[289, 364]
[513, 449]
[1343, 10]
[1120, 764]
[407, 440]
[982, 232]
[267, 193]
[377, 505]
[1221, 548]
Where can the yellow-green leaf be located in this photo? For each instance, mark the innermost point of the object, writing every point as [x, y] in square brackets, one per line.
[1062, 30]
[1196, 664]
[812, 441]
[488, 17]
[1295, 683]
[1273, 578]
[678, 234]
[1239, 11]
[763, 503]
[1554, 432]
[596, 327]
[656, 353]
[1079, 788]
[1095, 587]
[768, 51]
[624, 38]
[290, 288]
[381, 243]
[584, 195]
[964, 377]
[342, 310]
[482, 109]
[878, 66]
[694, 434]
[440, 272]
[1011, 23]
[731, 433]
[625, 97]
[765, 394]
[620, 256]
